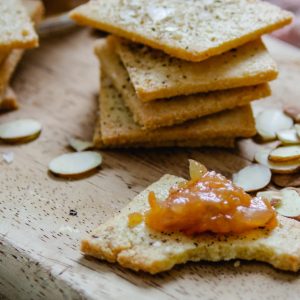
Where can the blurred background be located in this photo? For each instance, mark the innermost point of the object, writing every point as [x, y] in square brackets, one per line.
[290, 34]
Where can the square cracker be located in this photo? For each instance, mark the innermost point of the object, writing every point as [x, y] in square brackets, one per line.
[156, 75]
[9, 101]
[118, 127]
[16, 30]
[174, 110]
[35, 9]
[142, 249]
[191, 30]
[198, 143]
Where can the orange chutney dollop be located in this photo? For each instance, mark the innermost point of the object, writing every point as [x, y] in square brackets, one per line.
[210, 203]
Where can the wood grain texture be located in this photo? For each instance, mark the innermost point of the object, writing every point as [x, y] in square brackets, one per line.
[39, 241]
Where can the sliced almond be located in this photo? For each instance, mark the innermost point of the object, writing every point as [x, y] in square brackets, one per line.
[262, 157]
[274, 197]
[253, 178]
[286, 153]
[290, 204]
[75, 165]
[297, 127]
[293, 112]
[20, 131]
[80, 145]
[197, 170]
[271, 121]
[287, 180]
[288, 136]
[8, 157]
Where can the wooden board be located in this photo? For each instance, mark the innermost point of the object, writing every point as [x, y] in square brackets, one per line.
[39, 240]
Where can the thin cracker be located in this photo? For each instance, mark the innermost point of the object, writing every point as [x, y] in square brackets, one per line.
[9, 101]
[156, 75]
[142, 249]
[7, 68]
[191, 30]
[118, 127]
[16, 30]
[175, 110]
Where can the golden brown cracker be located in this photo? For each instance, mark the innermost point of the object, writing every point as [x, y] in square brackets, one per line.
[142, 249]
[118, 127]
[156, 75]
[193, 30]
[174, 110]
[16, 30]
[9, 64]
[9, 101]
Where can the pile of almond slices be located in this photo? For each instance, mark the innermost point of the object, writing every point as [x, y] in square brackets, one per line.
[280, 164]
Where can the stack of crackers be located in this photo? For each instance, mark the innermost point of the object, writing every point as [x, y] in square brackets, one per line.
[180, 73]
[17, 33]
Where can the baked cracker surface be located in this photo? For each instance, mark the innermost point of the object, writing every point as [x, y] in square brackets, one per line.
[143, 249]
[191, 30]
[156, 75]
[118, 127]
[175, 110]
[16, 30]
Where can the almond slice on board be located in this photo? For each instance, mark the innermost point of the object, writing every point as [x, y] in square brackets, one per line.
[271, 121]
[288, 136]
[253, 178]
[290, 204]
[287, 180]
[297, 127]
[80, 145]
[274, 197]
[75, 165]
[20, 131]
[285, 154]
[262, 157]
[293, 112]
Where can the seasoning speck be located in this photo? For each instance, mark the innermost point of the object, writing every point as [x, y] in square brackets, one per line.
[73, 212]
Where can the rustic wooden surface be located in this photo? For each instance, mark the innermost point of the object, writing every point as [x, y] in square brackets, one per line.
[39, 254]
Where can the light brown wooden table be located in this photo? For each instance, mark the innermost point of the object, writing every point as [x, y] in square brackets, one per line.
[39, 241]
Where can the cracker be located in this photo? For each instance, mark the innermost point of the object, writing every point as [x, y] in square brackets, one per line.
[198, 143]
[142, 249]
[156, 75]
[16, 30]
[175, 110]
[119, 129]
[191, 30]
[9, 101]
[8, 66]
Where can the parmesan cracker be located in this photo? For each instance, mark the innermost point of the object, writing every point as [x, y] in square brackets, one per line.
[142, 249]
[191, 30]
[16, 30]
[7, 68]
[156, 75]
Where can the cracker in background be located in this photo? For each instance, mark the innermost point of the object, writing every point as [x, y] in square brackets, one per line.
[142, 249]
[156, 75]
[35, 9]
[9, 101]
[191, 30]
[118, 127]
[175, 110]
[16, 30]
